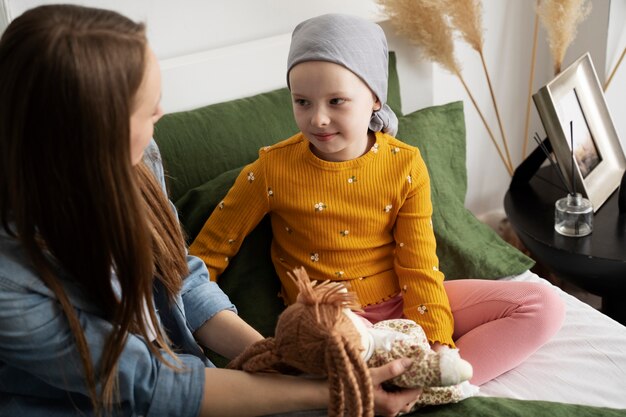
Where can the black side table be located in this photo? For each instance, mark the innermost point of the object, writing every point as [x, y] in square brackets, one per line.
[596, 263]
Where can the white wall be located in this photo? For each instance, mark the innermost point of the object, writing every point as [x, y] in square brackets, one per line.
[617, 88]
[188, 26]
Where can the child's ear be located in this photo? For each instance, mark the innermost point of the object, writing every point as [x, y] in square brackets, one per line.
[377, 104]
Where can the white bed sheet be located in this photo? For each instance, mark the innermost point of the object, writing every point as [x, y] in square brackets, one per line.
[584, 363]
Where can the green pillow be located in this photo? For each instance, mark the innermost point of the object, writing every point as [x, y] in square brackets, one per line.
[466, 247]
[393, 86]
[200, 144]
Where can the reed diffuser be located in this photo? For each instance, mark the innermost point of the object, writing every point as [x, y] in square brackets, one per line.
[573, 214]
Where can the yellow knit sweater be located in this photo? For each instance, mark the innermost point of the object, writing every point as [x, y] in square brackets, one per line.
[366, 221]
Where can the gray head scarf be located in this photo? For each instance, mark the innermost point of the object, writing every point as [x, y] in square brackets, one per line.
[355, 43]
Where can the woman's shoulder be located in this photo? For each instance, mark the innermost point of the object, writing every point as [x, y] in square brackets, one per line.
[152, 159]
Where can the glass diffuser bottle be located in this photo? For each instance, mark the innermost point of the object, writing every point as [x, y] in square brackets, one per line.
[573, 216]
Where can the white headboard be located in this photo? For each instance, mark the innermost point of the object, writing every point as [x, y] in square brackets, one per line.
[258, 66]
[198, 79]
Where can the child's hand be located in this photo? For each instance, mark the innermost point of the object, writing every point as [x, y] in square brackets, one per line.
[387, 403]
[438, 346]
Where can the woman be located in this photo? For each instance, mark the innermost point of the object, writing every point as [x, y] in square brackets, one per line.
[96, 288]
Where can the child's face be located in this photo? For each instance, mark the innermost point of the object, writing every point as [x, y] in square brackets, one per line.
[147, 110]
[332, 107]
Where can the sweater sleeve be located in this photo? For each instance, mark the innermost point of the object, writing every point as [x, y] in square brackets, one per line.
[233, 219]
[416, 262]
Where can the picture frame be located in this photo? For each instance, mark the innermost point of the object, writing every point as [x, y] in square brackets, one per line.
[573, 111]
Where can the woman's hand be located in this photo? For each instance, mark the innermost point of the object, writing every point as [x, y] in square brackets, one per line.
[387, 403]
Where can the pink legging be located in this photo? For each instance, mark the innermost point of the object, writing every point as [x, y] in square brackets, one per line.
[497, 324]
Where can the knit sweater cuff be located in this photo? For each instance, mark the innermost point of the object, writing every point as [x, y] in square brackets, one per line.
[438, 325]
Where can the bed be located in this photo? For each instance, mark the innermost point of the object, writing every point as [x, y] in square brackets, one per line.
[212, 129]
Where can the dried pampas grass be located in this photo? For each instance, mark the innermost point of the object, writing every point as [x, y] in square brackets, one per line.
[466, 16]
[619, 61]
[425, 24]
[531, 79]
[560, 19]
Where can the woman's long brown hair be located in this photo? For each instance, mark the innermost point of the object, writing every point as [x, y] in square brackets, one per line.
[68, 190]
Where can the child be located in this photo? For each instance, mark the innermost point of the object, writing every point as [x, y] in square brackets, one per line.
[351, 203]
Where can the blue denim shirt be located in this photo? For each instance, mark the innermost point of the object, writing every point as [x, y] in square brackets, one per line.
[40, 370]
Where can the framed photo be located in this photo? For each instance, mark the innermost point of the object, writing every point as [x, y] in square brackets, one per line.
[578, 124]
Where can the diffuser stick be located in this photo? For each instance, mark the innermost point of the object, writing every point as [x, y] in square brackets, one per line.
[571, 139]
[553, 162]
[571, 133]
